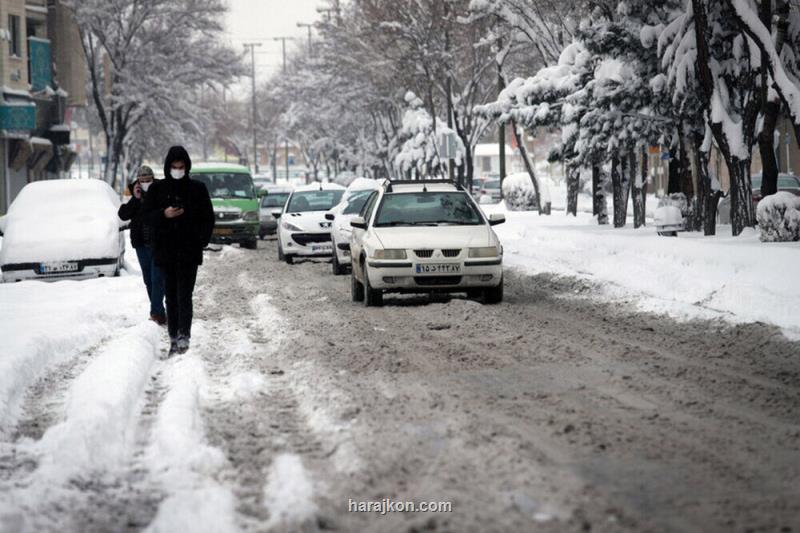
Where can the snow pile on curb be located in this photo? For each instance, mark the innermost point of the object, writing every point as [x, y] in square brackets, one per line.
[739, 279]
[289, 492]
[779, 217]
[180, 456]
[101, 407]
[46, 324]
[519, 193]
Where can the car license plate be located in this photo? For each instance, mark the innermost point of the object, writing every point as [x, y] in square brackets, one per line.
[223, 231]
[438, 269]
[321, 248]
[56, 267]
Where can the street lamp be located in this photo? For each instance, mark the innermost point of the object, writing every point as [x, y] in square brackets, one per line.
[252, 47]
[308, 26]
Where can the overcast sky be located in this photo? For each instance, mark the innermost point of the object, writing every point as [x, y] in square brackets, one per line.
[261, 21]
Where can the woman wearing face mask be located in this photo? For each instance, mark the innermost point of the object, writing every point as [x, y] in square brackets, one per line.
[142, 242]
[180, 210]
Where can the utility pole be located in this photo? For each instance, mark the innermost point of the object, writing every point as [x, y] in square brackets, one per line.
[309, 27]
[252, 47]
[285, 140]
[501, 84]
[449, 83]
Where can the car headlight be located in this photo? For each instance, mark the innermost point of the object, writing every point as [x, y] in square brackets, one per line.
[389, 254]
[488, 251]
[250, 216]
[290, 227]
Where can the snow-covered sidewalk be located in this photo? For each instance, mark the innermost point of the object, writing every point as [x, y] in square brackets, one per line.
[739, 279]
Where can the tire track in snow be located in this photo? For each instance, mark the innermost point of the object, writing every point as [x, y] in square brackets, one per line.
[82, 481]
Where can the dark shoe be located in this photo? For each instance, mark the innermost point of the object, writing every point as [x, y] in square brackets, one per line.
[159, 319]
[183, 344]
[173, 347]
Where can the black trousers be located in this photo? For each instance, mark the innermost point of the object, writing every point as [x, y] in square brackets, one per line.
[179, 280]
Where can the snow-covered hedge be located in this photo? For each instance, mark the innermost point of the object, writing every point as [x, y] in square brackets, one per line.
[779, 217]
[519, 193]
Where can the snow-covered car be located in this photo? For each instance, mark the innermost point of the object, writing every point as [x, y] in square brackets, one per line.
[668, 220]
[59, 229]
[303, 229]
[353, 201]
[273, 197]
[425, 236]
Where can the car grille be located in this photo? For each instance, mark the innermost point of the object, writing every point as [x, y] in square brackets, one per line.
[424, 254]
[227, 216]
[433, 281]
[451, 253]
[308, 238]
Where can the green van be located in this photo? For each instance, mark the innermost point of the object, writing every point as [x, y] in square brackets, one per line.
[235, 202]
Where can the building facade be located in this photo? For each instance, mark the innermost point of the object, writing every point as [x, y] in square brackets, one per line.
[39, 47]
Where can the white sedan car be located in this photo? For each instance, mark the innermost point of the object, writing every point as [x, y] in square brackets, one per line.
[353, 201]
[59, 229]
[303, 229]
[425, 236]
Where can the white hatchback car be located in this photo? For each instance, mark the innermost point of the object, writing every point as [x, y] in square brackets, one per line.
[425, 236]
[302, 228]
[353, 202]
[57, 229]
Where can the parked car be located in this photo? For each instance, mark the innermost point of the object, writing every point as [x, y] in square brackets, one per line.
[425, 236]
[233, 196]
[303, 229]
[353, 202]
[60, 229]
[274, 197]
[490, 192]
[786, 182]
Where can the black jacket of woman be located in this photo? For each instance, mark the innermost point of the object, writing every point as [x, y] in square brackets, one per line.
[180, 239]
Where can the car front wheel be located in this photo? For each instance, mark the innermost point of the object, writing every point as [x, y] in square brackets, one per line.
[338, 268]
[372, 297]
[493, 295]
[356, 289]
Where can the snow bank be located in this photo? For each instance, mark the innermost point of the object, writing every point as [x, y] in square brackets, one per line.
[46, 324]
[779, 217]
[102, 405]
[181, 458]
[519, 193]
[62, 219]
[736, 278]
[289, 492]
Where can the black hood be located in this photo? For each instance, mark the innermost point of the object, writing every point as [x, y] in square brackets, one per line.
[177, 153]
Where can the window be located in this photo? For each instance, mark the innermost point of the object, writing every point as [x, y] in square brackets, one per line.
[275, 199]
[15, 45]
[307, 201]
[229, 186]
[356, 202]
[486, 164]
[427, 209]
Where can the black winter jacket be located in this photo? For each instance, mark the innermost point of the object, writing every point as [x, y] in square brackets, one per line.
[141, 234]
[183, 238]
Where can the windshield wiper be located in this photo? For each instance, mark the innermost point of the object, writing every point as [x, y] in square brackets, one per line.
[403, 223]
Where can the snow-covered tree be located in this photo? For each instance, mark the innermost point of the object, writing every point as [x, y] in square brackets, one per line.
[147, 60]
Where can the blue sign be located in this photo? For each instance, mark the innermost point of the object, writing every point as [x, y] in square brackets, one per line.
[17, 117]
[665, 156]
[291, 160]
[41, 63]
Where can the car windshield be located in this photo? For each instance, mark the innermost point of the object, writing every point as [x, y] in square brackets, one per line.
[314, 201]
[788, 182]
[277, 199]
[224, 185]
[491, 184]
[356, 202]
[755, 181]
[427, 209]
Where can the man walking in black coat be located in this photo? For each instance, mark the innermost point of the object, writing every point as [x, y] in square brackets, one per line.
[180, 210]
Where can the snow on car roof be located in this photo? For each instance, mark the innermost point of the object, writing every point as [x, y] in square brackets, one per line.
[364, 184]
[418, 187]
[318, 186]
[219, 167]
[55, 220]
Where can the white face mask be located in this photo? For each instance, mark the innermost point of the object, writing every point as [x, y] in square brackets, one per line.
[146, 186]
[177, 174]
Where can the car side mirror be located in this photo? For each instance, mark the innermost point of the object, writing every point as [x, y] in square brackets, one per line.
[261, 193]
[330, 216]
[359, 223]
[496, 218]
[276, 213]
